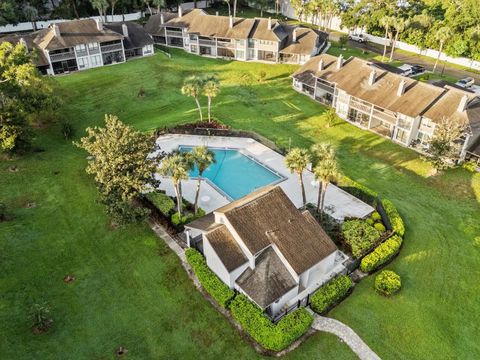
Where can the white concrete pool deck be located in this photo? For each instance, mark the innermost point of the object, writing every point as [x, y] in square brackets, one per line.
[338, 203]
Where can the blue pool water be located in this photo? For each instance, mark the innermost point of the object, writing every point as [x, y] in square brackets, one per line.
[235, 174]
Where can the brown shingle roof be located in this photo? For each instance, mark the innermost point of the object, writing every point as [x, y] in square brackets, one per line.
[154, 24]
[219, 26]
[268, 281]
[267, 216]
[41, 59]
[137, 36]
[226, 248]
[205, 223]
[186, 20]
[307, 40]
[73, 33]
[260, 30]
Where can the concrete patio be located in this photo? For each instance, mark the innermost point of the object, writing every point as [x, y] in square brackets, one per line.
[338, 203]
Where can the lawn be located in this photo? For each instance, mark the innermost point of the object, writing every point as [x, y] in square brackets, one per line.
[130, 289]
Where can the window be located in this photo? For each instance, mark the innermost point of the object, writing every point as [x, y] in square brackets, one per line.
[402, 136]
[193, 37]
[93, 46]
[251, 42]
[82, 63]
[80, 47]
[251, 53]
[96, 60]
[148, 49]
[240, 54]
[193, 48]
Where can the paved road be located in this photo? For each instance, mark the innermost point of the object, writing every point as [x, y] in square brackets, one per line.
[412, 59]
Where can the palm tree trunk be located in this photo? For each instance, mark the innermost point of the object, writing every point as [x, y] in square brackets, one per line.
[199, 109]
[322, 206]
[393, 46]
[113, 12]
[234, 8]
[209, 107]
[304, 198]
[319, 195]
[229, 12]
[438, 57]
[197, 194]
[149, 9]
[178, 193]
[385, 44]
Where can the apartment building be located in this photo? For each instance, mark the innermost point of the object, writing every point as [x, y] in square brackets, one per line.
[402, 109]
[82, 44]
[257, 39]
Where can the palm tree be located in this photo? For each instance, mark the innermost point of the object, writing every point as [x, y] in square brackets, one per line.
[329, 116]
[159, 4]
[386, 22]
[177, 167]
[211, 88]
[297, 161]
[202, 157]
[192, 87]
[325, 172]
[228, 3]
[101, 6]
[400, 26]
[442, 35]
[322, 151]
[31, 14]
[147, 2]
[112, 5]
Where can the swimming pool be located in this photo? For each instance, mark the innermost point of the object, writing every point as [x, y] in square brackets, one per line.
[234, 173]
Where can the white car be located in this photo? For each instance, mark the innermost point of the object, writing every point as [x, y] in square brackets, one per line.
[466, 82]
[361, 38]
[411, 70]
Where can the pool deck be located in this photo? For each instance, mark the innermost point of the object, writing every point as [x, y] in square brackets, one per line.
[338, 203]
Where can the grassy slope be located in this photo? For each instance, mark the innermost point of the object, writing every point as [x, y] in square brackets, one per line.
[131, 291]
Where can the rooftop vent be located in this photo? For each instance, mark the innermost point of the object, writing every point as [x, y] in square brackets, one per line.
[294, 36]
[162, 18]
[231, 21]
[99, 24]
[24, 43]
[402, 86]
[56, 30]
[180, 11]
[320, 65]
[269, 23]
[125, 30]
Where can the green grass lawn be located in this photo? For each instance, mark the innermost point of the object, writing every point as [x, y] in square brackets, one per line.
[131, 290]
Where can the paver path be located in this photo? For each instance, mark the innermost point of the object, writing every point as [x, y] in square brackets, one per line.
[345, 333]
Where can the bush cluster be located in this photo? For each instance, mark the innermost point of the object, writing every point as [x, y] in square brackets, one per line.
[217, 289]
[382, 254]
[380, 227]
[331, 293]
[271, 336]
[186, 218]
[394, 217]
[162, 202]
[359, 191]
[360, 236]
[388, 283]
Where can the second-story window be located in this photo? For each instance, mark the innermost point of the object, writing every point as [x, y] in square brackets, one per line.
[93, 46]
[80, 48]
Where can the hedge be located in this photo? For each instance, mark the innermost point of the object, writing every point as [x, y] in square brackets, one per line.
[359, 191]
[271, 336]
[330, 294]
[222, 294]
[388, 283]
[382, 254]
[162, 202]
[360, 236]
[394, 217]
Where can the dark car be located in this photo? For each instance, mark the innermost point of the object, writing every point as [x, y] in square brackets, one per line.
[417, 69]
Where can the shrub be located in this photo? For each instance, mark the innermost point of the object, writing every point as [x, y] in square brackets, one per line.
[470, 166]
[342, 41]
[387, 283]
[376, 216]
[360, 236]
[370, 221]
[359, 191]
[380, 227]
[40, 317]
[68, 131]
[394, 217]
[382, 254]
[259, 327]
[179, 221]
[212, 284]
[162, 202]
[331, 293]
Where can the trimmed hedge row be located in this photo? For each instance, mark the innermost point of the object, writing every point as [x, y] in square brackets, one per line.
[359, 191]
[382, 254]
[331, 293]
[271, 336]
[217, 289]
[394, 217]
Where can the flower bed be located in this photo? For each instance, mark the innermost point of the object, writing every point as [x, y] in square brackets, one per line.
[271, 336]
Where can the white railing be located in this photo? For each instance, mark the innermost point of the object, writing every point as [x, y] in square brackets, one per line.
[174, 33]
[112, 47]
[62, 56]
[206, 42]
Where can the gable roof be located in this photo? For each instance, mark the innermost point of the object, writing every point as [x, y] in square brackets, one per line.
[260, 30]
[226, 248]
[137, 36]
[307, 40]
[154, 24]
[219, 26]
[267, 216]
[40, 58]
[73, 33]
[268, 281]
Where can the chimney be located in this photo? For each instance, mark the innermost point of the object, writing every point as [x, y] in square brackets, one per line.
[401, 88]
[56, 30]
[231, 21]
[125, 30]
[462, 106]
[372, 77]
[24, 43]
[180, 11]
[216, 13]
[269, 23]
[320, 65]
[339, 62]
[162, 19]
[294, 37]
[99, 24]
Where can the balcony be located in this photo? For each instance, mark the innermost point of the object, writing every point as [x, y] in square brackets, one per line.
[174, 33]
[111, 47]
[206, 42]
[81, 53]
[62, 56]
[225, 44]
[94, 51]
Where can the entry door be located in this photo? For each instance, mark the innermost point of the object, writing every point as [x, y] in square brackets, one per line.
[65, 66]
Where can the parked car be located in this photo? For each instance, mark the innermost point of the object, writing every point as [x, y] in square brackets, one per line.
[412, 70]
[361, 38]
[466, 82]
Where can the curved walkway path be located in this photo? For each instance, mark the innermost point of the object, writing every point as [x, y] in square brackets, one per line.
[345, 333]
[320, 323]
